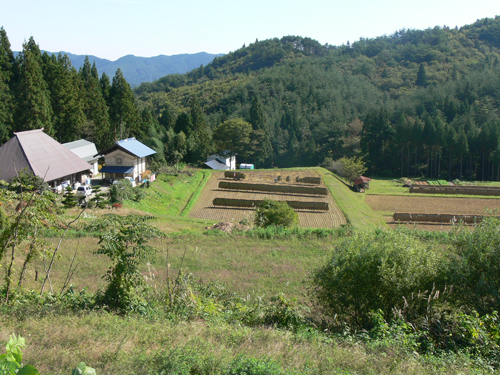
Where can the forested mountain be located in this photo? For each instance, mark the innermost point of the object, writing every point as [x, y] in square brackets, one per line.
[417, 102]
[142, 69]
[411, 103]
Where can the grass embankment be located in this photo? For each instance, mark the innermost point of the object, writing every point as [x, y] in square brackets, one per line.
[352, 204]
[170, 193]
[171, 197]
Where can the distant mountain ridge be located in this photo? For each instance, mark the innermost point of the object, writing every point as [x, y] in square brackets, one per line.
[144, 69]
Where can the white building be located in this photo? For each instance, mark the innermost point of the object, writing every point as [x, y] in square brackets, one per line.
[221, 162]
[126, 158]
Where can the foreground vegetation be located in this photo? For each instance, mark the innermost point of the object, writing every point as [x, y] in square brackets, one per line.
[126, 296]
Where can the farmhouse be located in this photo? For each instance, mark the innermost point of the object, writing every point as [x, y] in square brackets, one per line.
[221, 162]
[87, 151]
[126, 158]
[42, 155]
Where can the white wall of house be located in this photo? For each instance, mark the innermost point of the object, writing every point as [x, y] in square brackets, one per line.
[118, 158]
[95, 167]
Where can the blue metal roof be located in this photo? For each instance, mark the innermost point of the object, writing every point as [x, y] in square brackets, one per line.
[113, 169]
[135, 147]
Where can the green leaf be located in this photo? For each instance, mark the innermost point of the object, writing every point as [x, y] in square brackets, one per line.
[28, 370]
[83, 369]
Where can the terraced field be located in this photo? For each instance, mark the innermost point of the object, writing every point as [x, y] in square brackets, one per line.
[437, 205]
[204, 209]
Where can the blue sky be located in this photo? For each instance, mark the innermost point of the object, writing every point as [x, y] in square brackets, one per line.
[114, 28]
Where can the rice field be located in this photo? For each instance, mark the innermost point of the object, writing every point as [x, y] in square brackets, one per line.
[204, 208]
[433, 205]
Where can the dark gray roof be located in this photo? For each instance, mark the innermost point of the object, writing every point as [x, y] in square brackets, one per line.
[83, 148]
[40, 154]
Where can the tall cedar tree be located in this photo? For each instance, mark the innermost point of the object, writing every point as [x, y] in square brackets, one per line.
[421, 76]
[97, 126]
[105, 86]
[124, 115]
[200, 139]
[67, 105]
[33, 98]
[261, 139]
[6, 98]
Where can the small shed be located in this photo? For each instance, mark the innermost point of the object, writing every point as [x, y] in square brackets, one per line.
[222, 161]
[361, 184]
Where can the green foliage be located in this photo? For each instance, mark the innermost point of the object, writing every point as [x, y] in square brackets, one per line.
[69, 198]
[476, 271]
[348, 168]
[83, 369]
[100, 198]
[234, 135]
[126, 244]
[27, 181]
[11, 361]
[124, 191]
[373, 271]
[275, 213]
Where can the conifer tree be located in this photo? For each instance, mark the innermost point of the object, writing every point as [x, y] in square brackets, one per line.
[32, 95]
[168, 117]
[261, 140]
[257, 118]
[69, 198]
[200, 140]
[6, 57]
[6, 98]
[67, 104]
[123, 112]
[105, 83]
[184, 124]
[100, 199]
[97, 127]
[421, 76]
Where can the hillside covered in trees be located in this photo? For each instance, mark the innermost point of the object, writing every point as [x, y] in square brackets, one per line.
[417, 102]
[411, 103]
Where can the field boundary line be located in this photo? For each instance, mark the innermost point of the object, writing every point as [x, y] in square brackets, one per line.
[196, 193]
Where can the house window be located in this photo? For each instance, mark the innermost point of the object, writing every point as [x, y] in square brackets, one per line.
[118, 160]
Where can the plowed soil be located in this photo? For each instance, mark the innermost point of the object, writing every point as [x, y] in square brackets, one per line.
[204, 209]
[434, 205]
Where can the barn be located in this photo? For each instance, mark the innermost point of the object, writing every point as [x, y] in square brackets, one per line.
[40, 154]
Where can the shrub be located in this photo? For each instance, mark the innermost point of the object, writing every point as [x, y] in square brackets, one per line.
[373, 271]
[476, 271]
[275, 213]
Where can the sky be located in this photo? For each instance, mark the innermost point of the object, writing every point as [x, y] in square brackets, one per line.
[111, 29]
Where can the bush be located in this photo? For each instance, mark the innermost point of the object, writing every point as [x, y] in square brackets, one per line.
[476, 272]
[373, 271]
[275, 213]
